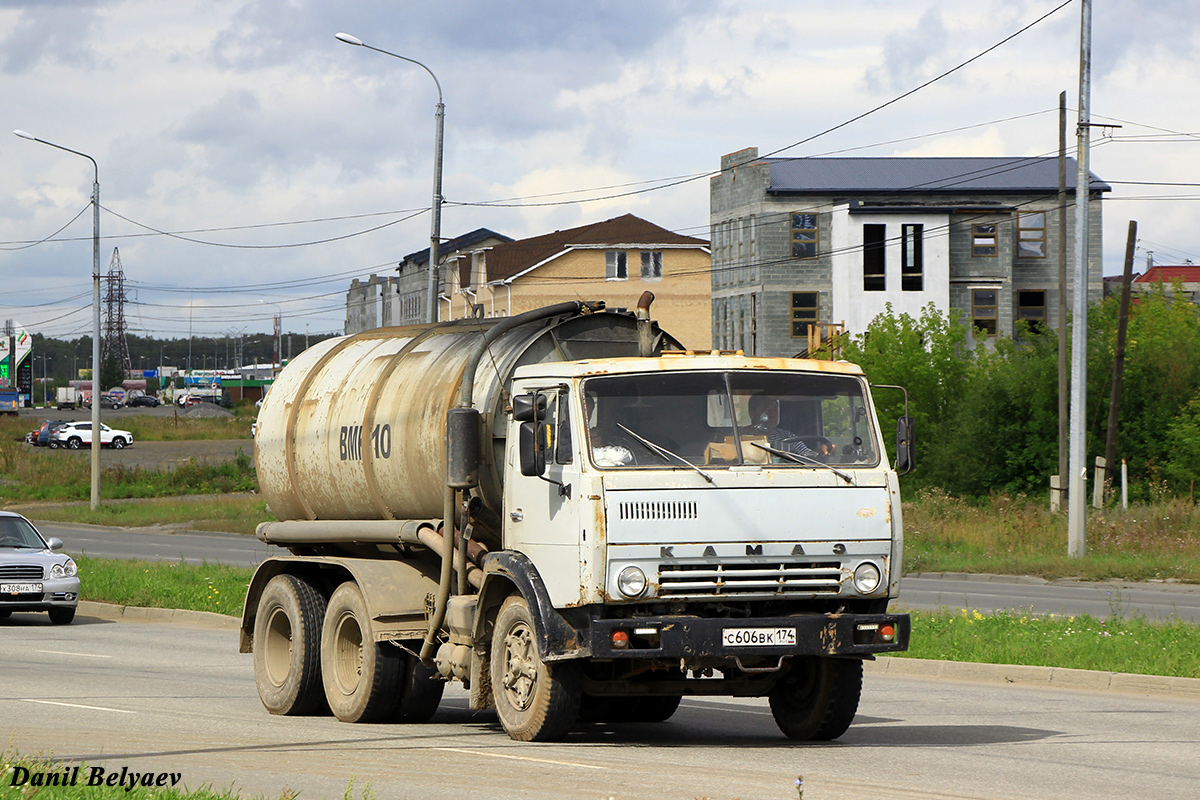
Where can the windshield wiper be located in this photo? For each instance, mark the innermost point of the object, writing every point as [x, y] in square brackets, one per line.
[801, 459]
[665, 452]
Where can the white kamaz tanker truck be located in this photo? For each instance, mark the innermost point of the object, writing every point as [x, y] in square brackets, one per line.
[577, 519]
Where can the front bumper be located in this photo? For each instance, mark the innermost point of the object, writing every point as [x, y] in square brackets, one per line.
[691, 637]
[56, 593]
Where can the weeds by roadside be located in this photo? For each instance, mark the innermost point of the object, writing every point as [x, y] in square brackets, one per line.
[1075, 642]
[1014, 535]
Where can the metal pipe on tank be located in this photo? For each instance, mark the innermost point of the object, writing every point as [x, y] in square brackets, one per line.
[466, 400]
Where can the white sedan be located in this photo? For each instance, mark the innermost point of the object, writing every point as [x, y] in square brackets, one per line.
[79, 434]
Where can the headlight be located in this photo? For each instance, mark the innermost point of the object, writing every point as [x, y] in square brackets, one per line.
[631, 582]
[866, 578]
[67, 570]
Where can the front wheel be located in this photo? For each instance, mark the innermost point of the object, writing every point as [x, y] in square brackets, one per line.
[74, 443]
[287, 641]
[62, 616]
[536, 701]
[362, 677]
[818, 698]
[118, 443]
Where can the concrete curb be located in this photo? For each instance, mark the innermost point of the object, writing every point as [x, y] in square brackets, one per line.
[204, 619]
[1049, 677]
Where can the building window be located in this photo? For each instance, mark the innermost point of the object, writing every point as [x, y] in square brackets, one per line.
[874, 261]
[1031, 307]
[912, 268]
[805, 312]
[983, 240]
[652, 266]
[614, 265]
[1031, 235]
[804, 235]
[983, 310]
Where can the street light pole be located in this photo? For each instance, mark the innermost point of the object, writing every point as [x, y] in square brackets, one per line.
[95, 312]
[435, 225]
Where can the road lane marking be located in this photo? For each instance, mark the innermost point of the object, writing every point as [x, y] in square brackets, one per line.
[76, 705]
[518, 758]
[65, 653]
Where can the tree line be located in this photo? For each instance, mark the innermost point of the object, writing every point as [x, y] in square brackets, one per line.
[987, 417]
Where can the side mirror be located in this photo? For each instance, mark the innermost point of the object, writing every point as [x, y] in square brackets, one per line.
[54, 543]
[533, 455]
[529, 407]
[904, 445]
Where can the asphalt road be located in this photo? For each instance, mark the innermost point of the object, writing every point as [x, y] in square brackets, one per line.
[927, 592]
[174, 698]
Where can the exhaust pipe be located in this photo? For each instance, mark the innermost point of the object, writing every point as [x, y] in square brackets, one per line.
[645, 325]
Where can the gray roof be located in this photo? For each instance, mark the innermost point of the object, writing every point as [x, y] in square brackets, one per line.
[923, 175]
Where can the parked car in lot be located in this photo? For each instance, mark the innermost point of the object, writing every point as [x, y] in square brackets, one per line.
[147, 400]
[75, 435]
[41, 437]
[34, 576]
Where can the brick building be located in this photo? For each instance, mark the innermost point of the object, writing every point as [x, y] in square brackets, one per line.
[797, 241]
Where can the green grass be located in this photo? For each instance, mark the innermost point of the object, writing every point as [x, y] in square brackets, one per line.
[164, 584]
[180, 427]
[38, 476]
[238, 513]
[1111, 645]
[1018, 536]
[15, 766]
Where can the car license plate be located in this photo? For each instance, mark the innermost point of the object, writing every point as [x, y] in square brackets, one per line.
[758, 637]
[20, 588]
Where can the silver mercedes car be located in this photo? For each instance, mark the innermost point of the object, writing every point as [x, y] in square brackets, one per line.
[33, 575]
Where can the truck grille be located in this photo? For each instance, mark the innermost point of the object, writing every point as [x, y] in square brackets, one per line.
[650, 510]
[21, 572]
[742, 579]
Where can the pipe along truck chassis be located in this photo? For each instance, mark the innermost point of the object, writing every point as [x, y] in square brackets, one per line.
[578, 520]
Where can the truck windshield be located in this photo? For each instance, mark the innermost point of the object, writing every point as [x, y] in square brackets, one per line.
[722, 419]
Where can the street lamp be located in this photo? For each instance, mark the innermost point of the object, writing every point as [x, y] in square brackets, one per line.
[95, 312]
[435, 226]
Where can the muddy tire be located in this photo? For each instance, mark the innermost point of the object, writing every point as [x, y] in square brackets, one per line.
[362, 678]
[421, 692]
[62, 616]
[536, 701]
[287, 647]
[818, 698]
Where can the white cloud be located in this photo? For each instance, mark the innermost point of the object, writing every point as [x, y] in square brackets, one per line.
[237, 112]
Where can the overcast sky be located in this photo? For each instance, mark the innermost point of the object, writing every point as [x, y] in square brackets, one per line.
[286, 163]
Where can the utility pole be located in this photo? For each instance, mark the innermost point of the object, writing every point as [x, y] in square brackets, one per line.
[1064, 381]
[1077, 465]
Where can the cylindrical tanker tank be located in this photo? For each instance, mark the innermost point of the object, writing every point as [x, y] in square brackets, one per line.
[354, 427]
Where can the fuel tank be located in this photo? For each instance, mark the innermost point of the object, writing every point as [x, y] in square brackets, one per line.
[354, 427]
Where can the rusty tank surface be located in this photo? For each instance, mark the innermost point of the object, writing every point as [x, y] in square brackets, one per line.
[354, 427]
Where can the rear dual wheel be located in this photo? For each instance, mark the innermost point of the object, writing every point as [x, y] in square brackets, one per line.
[287, 646]
[369, 681]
